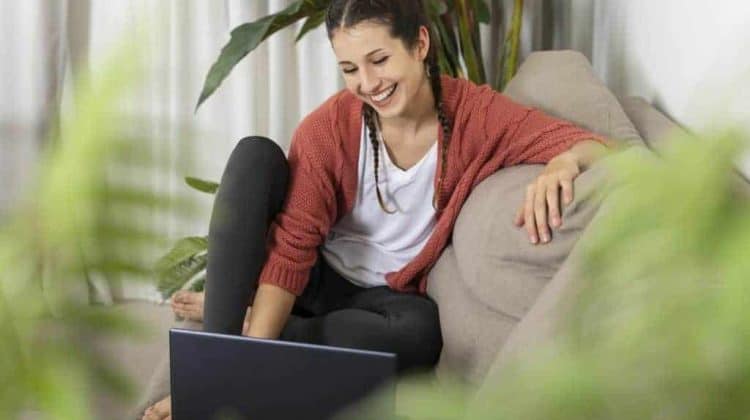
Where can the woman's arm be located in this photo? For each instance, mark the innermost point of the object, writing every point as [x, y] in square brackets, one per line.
[270, 311]
[585, 153]
[541, 208]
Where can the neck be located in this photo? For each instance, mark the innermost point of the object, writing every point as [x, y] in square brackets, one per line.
[421, 111]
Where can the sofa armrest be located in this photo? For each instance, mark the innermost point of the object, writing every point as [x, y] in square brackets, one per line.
[652, 125]
[655, 128]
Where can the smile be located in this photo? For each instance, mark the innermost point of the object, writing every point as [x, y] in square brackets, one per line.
[385, 95]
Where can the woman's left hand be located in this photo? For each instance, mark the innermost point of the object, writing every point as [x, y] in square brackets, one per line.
[541, 207]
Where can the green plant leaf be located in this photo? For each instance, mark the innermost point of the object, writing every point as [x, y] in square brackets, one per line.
[448, 52]
[187, 258]
[509, 57]
[436, 7]
[202, 185]
[177, 276]
[246, 37]
[84, 215]
[311, 23]
[482, 11]
[198, 284]
[182, 249]
[469, 51]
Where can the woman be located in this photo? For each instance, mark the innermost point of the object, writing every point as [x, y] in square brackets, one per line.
[377, 176]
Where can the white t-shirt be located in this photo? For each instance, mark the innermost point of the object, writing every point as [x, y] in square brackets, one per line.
[368, 242]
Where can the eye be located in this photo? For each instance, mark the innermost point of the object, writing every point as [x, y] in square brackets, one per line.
[348, 71]
[381, 61]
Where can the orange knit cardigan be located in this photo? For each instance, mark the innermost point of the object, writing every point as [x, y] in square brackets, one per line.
[489, 132]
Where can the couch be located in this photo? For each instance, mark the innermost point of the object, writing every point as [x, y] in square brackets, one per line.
[498, 295]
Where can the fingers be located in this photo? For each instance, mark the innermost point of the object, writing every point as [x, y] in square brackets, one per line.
[567, 190]
[518, 219]
[545, 199]
[528, 214]
[540, 211]
[553, 205]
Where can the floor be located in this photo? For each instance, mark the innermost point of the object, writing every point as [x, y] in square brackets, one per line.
[134, 357]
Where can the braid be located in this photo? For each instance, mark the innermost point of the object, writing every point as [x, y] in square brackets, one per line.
[437, 92]
[373, 132]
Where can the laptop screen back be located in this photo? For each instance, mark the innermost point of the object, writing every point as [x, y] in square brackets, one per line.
[217, 376]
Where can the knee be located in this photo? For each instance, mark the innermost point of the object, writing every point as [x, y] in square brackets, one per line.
[428, 331]
[423, 335]
[257, 153]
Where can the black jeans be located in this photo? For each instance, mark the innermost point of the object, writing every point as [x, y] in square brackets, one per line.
[331, 311]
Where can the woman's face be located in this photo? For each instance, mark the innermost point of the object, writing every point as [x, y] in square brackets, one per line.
[379, 69]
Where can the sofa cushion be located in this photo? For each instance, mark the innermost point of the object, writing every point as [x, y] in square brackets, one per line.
[563, 84]
[495, 258]
[501, 273]
[653, 126]
[472, 331]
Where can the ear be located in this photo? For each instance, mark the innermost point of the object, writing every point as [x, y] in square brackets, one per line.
[423, 42]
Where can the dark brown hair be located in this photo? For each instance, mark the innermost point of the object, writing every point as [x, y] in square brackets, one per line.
[404, 18]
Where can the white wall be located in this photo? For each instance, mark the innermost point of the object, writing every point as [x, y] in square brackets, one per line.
[691, 58]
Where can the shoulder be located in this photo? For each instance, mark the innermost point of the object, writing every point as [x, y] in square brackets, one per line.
[468, 101]
[493, 106]
[339, 108]
[318, 121]
[320, 134]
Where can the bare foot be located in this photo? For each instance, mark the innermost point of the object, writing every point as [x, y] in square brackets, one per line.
[188, 305]
[160, 410]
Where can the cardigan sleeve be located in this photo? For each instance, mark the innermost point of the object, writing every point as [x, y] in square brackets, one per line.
[308, 212]
[528, 135]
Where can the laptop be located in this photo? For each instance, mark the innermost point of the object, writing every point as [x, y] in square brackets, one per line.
[218, 376]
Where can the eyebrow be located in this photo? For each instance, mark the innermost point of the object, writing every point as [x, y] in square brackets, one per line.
[367, 55]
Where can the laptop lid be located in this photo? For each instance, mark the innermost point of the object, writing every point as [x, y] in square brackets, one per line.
[235, 377]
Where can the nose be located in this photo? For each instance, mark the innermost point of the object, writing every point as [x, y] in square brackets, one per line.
[369, 83]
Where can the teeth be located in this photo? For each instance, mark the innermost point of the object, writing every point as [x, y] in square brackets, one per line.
[384, 95]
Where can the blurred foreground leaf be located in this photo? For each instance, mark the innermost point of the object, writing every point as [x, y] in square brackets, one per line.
[86, 216]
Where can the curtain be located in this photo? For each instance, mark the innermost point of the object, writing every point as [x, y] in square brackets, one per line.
[46, 44]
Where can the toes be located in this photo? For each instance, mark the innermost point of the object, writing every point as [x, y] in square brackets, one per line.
[178, 296]
[193, 297]
[162, 408]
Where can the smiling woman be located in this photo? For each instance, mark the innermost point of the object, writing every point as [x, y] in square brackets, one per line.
[338, 255]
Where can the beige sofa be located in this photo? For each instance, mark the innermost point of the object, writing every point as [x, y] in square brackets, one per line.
[490, 279]
[498, 295]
